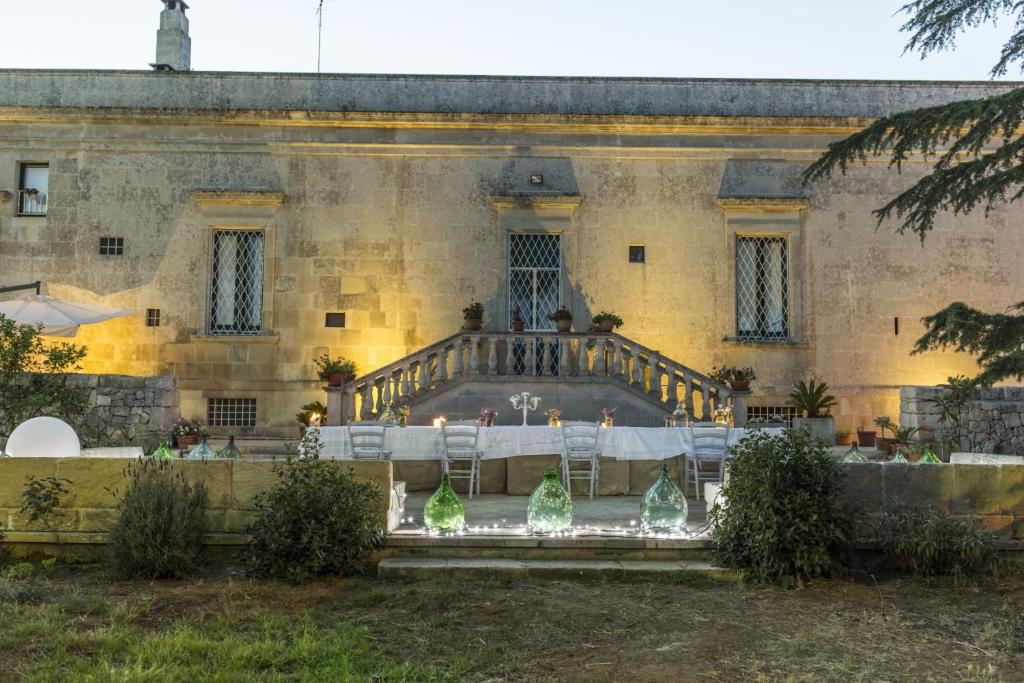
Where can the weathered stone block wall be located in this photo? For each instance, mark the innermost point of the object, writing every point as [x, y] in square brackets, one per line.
[992, 494]
[992, 424]
[89, 511]
[125, 408]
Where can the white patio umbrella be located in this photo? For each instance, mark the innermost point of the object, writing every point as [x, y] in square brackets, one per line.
[59, 318]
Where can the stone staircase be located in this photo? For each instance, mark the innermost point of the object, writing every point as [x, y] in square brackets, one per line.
[458, 375]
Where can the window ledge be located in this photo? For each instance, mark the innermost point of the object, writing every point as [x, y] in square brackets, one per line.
[269, 338]
[767, 343]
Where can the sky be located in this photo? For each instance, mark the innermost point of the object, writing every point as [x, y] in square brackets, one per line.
[655, 38]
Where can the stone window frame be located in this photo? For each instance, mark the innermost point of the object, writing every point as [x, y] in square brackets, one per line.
[252, 211]
[767, 217]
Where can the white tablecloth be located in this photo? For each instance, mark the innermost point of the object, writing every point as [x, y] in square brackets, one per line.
[621, 443]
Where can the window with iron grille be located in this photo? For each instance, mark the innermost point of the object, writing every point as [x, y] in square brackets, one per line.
[762, 288]
[783, 414]
[111, 246]
[231, 412]
[33, 188]
[535, 285]
[152, 317]
[237, 293]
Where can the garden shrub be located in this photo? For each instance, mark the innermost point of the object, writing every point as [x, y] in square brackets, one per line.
[782, 520]
[161, 524]
[928, 542]
[316, 520]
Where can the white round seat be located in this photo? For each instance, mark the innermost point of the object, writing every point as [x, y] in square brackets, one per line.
[43, 437]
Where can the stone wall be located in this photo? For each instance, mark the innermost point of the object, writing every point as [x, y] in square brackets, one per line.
[90, 510]
[992, 424]
[992, 494]
[125, 409]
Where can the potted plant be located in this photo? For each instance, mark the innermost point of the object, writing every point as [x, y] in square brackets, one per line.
[473, 316]
[487, 416]
[865, 437]
[814, 403]
[608, 417]
[606, 322]
[554, 417]
[901, 438]
[737, 378]
[311, 414]
[562, 318]
[336, 371]
[844, 437]
[186, 432]
[403, 411]
[518, 324]
[885, 424]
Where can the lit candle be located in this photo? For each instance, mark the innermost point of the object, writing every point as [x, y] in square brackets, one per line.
[439, 421]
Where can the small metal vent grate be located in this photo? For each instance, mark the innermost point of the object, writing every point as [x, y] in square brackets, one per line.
[231, 412]
[111, 246]
[237, 300]
[783, 414]
[762, 288]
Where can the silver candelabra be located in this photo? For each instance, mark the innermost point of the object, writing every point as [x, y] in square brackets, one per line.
[525, 402]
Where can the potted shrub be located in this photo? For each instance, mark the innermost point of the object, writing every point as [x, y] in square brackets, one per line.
[606, 322]
[844, 437]
[562, 318]
[901, 439]
[473, 316]
[737, 378]
[885, 425]
[336, 371]
[518, 324]
[865, 437]
[310, 414]
[186, 432]
[814, 403]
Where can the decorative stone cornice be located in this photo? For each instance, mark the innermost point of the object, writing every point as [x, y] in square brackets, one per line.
[762, 204]
[536, 201]
[206, 198]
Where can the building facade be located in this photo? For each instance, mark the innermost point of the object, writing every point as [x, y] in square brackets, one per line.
[257, 221]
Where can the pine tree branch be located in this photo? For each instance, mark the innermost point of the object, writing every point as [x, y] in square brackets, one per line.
[935, 24]
[996, 338]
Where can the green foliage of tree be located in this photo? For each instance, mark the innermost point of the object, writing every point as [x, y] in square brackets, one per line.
[34, 376]
[978, 152]
[781, 520]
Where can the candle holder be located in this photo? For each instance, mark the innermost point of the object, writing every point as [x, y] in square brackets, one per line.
[525, 402]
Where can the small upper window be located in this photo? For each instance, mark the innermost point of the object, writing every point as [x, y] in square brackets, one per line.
[637, 254]
[111, 246]
[33, 187]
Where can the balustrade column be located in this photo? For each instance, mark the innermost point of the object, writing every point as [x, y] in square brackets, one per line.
[564, 356]
[582, 362]
[365, 402]
[673, 386]
[474, 354]
[688, 394]
[441, 373]
[492, 357]
[378, 403]
[617, 363]
[407, 381]
[348, 405]
[386, 387]
[638, 375]
[529, 366]
[424, 381]
[510, 358]
[655, 387]
[545, 364]
[457, 358]
[706, 405]
[600, 361]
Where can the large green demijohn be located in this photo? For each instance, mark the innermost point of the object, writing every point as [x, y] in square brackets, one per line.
[898, 459]
[230, 451]
[164, 452]
[444, 511]
[550, 508]
[929, 457]
[202, 452]
[854, 454]
[663, 509]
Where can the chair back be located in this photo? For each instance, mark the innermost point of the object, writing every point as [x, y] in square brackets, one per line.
[460, 438]
[367, 439]
[710, 440]
[580, 438]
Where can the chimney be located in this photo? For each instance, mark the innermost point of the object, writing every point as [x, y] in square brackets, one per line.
[173, 46]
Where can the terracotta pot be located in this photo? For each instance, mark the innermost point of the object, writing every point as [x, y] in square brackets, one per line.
[563, 326]
[740, 386]
[606, 326]
[844, 439]
[518, 325]
[186, 441]
[866, 439]
[473, 324]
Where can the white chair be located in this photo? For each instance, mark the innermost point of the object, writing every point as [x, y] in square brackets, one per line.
[367, 439]
[707, 461]
[460, 441]
[580, 458]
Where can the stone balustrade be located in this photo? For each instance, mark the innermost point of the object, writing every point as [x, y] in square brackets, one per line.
[573, 356]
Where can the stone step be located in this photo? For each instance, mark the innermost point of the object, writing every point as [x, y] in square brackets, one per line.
[680, 572]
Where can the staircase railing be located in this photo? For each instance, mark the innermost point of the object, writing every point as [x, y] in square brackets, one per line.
[600, 357]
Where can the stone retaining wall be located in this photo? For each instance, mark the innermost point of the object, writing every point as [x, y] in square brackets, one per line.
[992, 424]
[993, 494]
[89, 511]
[126, 409]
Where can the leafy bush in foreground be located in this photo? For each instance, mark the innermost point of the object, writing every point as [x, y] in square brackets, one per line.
[929, 542]
[161, 525]
[316, 520]
[781, 519]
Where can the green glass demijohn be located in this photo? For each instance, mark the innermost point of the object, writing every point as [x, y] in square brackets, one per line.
[550, 508]
[898, 459]
[444, 511]
[231, 450]
[202, 452]
[164, 452]
[929, 457]
[854, 455]
[663, 509]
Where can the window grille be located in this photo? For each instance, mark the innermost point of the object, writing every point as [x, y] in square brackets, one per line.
[534, 276]
[772, 413]
[111, 246]
[237, 292]
[231, 412]
[33, 188]
[762, 288]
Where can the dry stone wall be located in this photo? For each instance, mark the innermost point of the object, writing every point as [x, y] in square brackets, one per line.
[994, 423]
[125, 409]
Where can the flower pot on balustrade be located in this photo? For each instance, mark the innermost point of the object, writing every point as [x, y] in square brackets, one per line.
[606, 326]
[336, 379]
[821, 427]
[518, 325]
[743, 385]
[563, 326]
[473, 324]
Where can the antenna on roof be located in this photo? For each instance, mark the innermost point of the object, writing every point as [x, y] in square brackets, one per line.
[319, 32]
